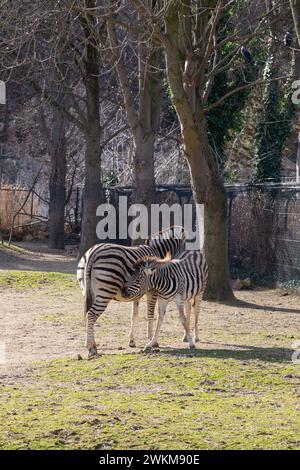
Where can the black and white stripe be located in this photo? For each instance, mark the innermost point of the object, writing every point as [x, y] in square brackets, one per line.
[104, 269]
[182, 280]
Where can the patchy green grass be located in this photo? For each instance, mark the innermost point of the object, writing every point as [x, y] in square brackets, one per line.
[207, 399]
[22, 280]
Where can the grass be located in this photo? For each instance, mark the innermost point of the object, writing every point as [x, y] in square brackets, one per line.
[22, 280]
[169, 400]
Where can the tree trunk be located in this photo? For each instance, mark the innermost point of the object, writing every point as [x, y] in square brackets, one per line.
[216, 246]
[57, 184]
[143, 121]
[207, 185]
[92, 194]
[143, 171]
[144, 187]
[208, 189]
[150, 96]
[294, 138]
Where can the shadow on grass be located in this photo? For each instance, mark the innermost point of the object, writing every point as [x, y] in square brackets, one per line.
[243, 304]
[244, 353]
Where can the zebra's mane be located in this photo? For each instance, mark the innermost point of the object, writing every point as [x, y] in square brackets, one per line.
[152, 259]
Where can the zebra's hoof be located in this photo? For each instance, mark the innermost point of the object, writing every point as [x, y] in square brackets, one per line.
[155, 345]
[184, 339]
[93, 353]
[93, 356]
[132, 344]
[192, 346]
[197, 340]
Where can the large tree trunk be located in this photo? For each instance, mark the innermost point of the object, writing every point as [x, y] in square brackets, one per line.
[150, 96]
[143, 170]
[143, 121]
[57, 184]
[143, 184]
[216, 246]
[208, 189]
[294, 138]
[92, 194]
[207, 186]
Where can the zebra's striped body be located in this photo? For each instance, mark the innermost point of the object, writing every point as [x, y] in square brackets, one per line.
[104, 269]
[182, 280]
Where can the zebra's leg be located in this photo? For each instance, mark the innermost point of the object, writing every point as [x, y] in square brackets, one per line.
[188, 309]
[198, 300]
[134, 317]
[98, 307]
[90, 343]
[161, 313]
[182, 317]
[151, 302]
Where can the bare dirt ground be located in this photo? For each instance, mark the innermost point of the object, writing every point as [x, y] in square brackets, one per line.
[47, 323]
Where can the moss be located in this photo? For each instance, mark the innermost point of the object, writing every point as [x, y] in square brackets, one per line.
[22, 280]
[154, 401]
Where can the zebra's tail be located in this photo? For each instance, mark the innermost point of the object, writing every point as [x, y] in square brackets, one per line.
[87, 304]
[84, 280]
[88, 300]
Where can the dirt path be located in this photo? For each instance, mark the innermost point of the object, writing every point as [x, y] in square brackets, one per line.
[35, 256]
[45, 323]
[25, 330]
[32, 330]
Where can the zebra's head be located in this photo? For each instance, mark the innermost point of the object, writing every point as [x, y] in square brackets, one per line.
[142, 278]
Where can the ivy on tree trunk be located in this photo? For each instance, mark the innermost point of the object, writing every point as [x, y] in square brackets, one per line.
[273, 128]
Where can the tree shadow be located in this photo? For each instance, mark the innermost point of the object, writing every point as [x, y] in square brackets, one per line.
[243, 304]
[244, 353]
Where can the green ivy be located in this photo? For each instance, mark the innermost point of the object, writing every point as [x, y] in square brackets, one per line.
[273, 128]
[110, 179]
[228, 117]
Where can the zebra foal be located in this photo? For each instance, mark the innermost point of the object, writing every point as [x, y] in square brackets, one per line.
[183, 280]
[104, 269]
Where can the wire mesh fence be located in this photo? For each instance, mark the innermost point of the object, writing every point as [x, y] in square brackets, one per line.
[264, 230]
[263, 226]
[263, 222]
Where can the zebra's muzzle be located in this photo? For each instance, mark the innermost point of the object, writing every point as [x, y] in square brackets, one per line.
[124, 292]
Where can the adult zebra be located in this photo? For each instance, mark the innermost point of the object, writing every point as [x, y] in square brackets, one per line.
[183, 280]
[104, 269]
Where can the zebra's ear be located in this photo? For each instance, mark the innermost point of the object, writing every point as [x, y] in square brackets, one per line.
[149, 268]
